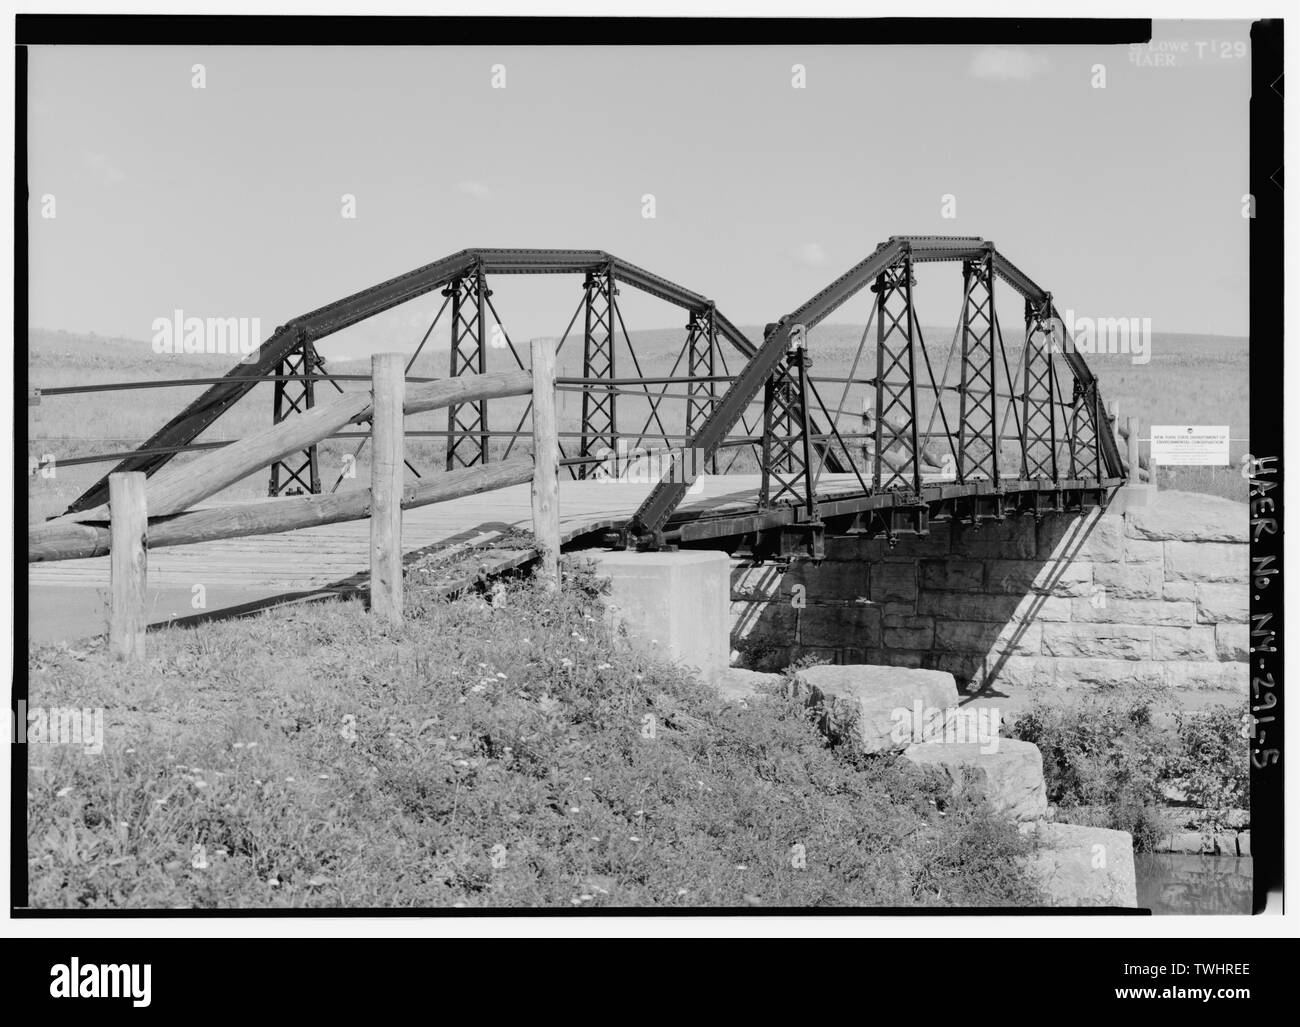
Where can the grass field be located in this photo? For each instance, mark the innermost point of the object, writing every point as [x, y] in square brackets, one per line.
[502, 753]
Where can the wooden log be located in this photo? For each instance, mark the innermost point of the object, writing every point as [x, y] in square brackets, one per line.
[1131, 438]
[546, 461]
[179, 487]
[386, 469]
[468, 388]
[128, 574]
[69, 540]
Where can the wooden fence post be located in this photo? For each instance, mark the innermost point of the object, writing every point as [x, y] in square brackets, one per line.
[546, 463]
[128, 564]
[388, 382]
[1134, 459]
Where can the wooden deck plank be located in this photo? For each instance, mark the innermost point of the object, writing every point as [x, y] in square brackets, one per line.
[315, 558]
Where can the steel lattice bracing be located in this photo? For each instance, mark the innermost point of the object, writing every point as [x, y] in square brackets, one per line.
[1065, 459]
[1067, 454]
[301, 472]
[599, 405]
[897, 452]
[1038, 417]
[784, 471]
[978, 444]
[702, 367]
[182, 429]
[467, 423]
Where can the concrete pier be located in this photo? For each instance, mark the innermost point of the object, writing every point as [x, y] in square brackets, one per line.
[675, 604]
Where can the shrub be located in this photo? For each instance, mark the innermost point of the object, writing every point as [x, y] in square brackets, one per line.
[1108, 763]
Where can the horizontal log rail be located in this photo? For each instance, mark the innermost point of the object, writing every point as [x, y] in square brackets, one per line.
[177, 488]
[145, 515]
[63, 540]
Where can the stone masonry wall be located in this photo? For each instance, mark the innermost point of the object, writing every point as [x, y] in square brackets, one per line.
[1154, 592]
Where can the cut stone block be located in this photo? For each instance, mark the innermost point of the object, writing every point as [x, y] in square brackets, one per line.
[1232, 641]
[1084, 866]
[1190, 517]
[1010, 776]
[1104, 641]
[952, 575]
[1180, 644]
[673, 604]
[874, 705]
[1130, 580]
[736, 684]
[1103, 609]
[1222, 602]
[1095, 537]
[1016, 577]
[1207, 561]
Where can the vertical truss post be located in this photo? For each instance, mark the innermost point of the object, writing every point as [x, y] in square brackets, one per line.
[978, 445]
[301, 472]
[896, 428]
[702, 352]
[786, 434]
[769, 416]
[800, 360]
[1038, 426]
[467, 423]
[1085, 441]
[599, 408]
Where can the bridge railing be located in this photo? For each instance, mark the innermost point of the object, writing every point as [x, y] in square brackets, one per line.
[144, 513]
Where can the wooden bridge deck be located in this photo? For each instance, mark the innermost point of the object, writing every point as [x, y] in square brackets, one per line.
[338, 555]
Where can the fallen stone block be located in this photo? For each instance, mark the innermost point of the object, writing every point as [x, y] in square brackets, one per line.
[874, 705]
[1083, 866]
[1192, 843]
[735, 684]
[1010, 777]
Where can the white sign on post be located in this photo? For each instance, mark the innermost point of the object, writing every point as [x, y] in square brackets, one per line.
[1196, 445]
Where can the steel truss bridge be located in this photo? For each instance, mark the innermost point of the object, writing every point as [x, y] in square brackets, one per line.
[984, 438]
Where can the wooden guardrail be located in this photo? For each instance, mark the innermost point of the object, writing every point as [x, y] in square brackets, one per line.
[145, 514]
[1140, 469]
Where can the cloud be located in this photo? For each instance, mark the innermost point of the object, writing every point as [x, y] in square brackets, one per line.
[1008, 63]
[104, 168]
[809, 254]
[475, 189]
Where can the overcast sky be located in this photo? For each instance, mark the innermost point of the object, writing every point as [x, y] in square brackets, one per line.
[226, 200]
